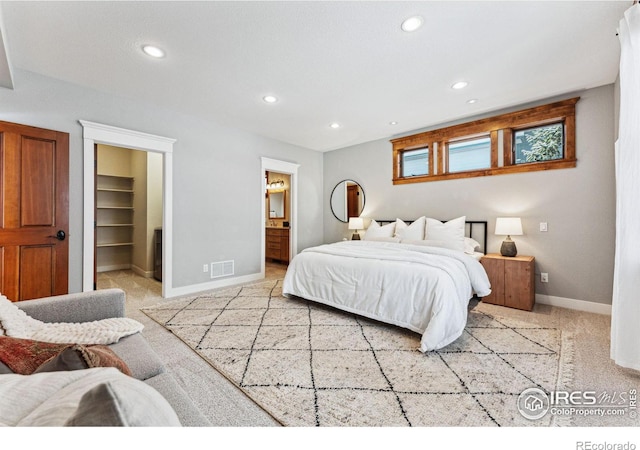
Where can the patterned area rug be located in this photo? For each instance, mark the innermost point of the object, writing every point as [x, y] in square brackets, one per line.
[311, 365]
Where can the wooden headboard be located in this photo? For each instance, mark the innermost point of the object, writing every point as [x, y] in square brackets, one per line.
[475, 229]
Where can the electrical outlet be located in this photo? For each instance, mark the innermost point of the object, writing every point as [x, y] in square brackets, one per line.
[205, 268]
[544, 277]
[543, 226]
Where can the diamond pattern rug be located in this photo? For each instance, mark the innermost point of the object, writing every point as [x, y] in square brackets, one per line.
[311, 365]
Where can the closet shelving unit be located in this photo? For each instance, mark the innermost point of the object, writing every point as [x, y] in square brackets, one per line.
[114, 221]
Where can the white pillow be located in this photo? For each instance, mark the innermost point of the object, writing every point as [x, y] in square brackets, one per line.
[471, 245]
[124, 402]
[53, 398]
[375, 230]
[451, 232]
[413, 232]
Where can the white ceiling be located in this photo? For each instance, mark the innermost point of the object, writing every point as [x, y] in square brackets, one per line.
[333, 61]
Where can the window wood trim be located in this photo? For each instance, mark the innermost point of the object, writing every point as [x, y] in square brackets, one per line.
[431, 157]
[562, 111]
[397, 160]
[494, 148]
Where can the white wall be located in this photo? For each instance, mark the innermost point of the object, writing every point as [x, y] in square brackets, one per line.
[217, 190]
[578, 203]
[218, 187]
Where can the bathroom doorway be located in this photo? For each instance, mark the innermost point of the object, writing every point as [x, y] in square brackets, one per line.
[281, 231]
[278, 209]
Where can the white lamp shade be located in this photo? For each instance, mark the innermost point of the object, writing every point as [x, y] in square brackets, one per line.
[509, 226]
[356, 223]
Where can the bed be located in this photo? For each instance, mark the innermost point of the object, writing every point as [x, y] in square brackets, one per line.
[423, 285]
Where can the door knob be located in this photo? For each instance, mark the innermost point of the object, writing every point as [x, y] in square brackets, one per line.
[60, 235]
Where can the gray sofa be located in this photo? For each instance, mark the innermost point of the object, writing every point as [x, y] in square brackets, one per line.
[134, 350]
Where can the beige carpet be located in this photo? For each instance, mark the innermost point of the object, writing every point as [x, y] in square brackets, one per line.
[310, 365]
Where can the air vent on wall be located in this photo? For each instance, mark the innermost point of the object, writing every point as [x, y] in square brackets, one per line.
[221, 269]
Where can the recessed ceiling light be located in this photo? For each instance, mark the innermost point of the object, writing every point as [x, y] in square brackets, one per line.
[152, 50]
[459, 85]
[472, 101]
[393, 123]
[335, 125]
[269, 99]
[412, 24]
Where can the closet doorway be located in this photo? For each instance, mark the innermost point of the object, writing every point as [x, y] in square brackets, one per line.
[128, 211]
[97, 133]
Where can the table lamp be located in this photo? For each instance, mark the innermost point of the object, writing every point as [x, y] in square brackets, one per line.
[356, 223]
[509, 226]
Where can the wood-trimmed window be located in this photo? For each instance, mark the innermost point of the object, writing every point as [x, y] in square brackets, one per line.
[416, 162]
[540, 138]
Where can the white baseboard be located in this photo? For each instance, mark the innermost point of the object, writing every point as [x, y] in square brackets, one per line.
[571, 303]
[194, 288]
[113, 267]
[141, 272]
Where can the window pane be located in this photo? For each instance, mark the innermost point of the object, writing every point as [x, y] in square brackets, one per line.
[470, 155]
[415, 162]
[539, 144]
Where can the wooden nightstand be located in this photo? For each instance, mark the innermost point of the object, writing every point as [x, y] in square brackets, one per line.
[512, 280]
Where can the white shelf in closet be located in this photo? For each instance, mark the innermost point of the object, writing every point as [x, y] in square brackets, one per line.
[129, 191]
[115, 224]
[114, 204]
[115, 244]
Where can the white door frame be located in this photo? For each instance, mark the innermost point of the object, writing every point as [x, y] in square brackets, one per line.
[96, 133]
[274, 165]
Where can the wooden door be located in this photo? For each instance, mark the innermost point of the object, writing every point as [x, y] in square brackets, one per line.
[34, 212]
[353, 201]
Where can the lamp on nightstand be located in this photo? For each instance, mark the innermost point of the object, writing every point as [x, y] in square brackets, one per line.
[356, 223]
[508, 226]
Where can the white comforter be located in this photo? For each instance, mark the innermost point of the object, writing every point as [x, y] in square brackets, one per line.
[424, 289]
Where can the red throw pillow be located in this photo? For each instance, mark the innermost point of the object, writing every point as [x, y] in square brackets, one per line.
[26, 356]
[77, 357]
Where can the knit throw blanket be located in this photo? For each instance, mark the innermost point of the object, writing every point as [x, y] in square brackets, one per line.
[16, 323]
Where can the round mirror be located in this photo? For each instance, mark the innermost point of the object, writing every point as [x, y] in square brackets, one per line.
[347, 200]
